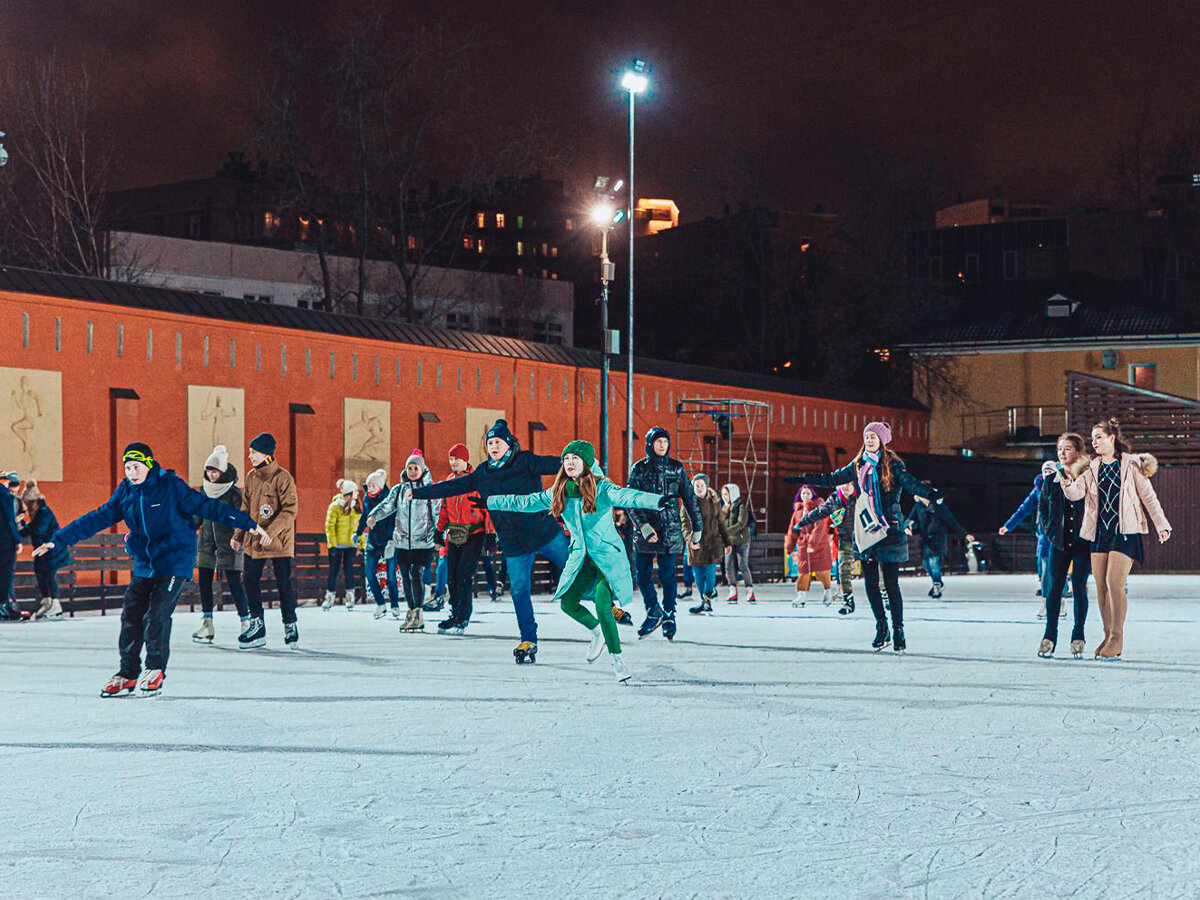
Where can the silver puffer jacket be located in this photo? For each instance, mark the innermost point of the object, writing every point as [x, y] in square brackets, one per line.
[416, 520]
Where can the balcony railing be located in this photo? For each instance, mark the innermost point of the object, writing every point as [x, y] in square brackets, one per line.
[1012, 424]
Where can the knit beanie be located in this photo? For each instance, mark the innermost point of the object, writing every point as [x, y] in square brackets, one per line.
[348, 486]
[263, 442]
[218, 459]
[13, 478]
[500, 430]
[376, 480]
[31, 492]
[460, 451]
[583, 450]
[417, 457]
[139, 452]
[882, 429]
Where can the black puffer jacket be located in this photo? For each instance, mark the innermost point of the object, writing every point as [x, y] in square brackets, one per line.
[840, 510]
[894, 547]
[212, 544]
[933, 523]
[666, 476]
[1059, 518]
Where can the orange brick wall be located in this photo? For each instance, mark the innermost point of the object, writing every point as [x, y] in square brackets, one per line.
[159, 417]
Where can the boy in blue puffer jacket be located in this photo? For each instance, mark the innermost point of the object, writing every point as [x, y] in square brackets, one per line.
[376, 543]
[158, 507]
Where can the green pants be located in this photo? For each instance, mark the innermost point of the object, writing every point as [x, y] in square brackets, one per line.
[590, 581]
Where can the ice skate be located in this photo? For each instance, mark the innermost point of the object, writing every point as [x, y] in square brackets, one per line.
[687, 594]
[1046, 648]
[936, 591]
[750, 598]
[11, 611]
[621, 616]
[254, 636]
[53, 609]
[291, 636]
[380, 611]
[451, 626]
[414, 621]
[703, 608]
[151, 682]
[898, 642]
[596, 646]
[827, 597]
[204, 634]
[799, 601]
[668, 627]
[245, 624]
[327, 604]
[435, 604]
[732, 597]
[525, 653]
[620, 669]
[350, 600]
[882, 637]
[653, 620]
[496, 595]
[396, 613]
[847, 605]
[43, 605]
[1077, 649]
[118, 685]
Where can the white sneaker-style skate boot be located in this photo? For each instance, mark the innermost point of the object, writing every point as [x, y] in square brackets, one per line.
[350, 600]
[597, 644]
[43, 605]
[204, 634]
[328, 602]
[827, 599]
[799, 600]
[732, 596]
[54, 610]
[380, 611]
[620, 669]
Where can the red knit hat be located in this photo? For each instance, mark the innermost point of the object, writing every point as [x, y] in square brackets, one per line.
[460, 451]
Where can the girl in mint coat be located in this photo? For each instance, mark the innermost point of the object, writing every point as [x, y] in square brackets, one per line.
[597, 565]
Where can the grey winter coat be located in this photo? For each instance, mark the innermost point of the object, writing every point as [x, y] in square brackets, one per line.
[666, 476]
[416, 520]
[212, 546]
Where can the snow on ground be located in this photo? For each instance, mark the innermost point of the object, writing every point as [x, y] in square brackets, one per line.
[767, 753]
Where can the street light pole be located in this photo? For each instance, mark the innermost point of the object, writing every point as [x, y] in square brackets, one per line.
[635, 81]
[605, 276]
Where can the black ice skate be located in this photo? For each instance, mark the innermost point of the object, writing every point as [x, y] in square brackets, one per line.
[703, 608]
[882, 637]
[847, 605]
[668, 627]
[254, 636]
[525, 653]
[291, 636]
[898, 643]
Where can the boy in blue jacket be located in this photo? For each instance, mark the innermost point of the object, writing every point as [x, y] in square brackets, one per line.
[158, 508]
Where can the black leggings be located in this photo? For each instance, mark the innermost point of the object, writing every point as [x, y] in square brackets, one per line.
[411, 564]
[233, 580]
[872, 568]
[47, 576]
[461, 562]
[1058, 563]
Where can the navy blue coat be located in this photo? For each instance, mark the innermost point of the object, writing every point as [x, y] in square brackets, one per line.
[41, 530]
[158, 512]
[519, 533]
[377, 537]
[9, 533]
[1053, 507]
[932, 524]
[894, 547]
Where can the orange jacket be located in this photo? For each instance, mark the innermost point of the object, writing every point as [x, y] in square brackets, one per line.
[460, 511]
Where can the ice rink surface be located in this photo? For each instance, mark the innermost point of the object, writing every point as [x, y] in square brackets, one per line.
[766, 753]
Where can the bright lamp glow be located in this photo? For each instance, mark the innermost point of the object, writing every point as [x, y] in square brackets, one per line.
[635, 82]
[602, 214]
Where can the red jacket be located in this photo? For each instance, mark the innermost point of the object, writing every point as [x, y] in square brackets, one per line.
[815, 551]
[460, 511]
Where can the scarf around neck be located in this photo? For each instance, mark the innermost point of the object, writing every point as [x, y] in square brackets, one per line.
[868, 481]
[216, 489]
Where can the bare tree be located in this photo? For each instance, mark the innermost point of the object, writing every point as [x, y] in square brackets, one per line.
[52, 192]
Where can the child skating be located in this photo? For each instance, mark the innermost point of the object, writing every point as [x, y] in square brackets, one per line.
[158, 507]
[597, 567]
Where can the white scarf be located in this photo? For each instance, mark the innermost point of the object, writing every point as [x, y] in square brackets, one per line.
[215, 490]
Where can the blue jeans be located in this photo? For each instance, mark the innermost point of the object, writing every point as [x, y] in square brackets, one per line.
[689, 577]
[373, 555]
[706, 578]
[520, 579]
[644, 562]
[933, 566]
[1044, 575]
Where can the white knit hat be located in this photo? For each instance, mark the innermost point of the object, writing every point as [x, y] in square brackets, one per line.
[377, 479]
[218, 459]
[348, 486]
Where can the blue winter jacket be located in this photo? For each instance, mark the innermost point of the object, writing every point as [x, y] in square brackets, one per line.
[1028, 507]
[158, 512]
[378, 536]
[522, 474]
[8, 519]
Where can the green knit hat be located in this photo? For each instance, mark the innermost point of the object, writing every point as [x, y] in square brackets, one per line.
[583, 450]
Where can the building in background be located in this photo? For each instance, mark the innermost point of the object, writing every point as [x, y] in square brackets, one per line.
[650, 216]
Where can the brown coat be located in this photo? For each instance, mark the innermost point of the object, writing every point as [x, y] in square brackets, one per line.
[713, 539]
[270, 499]
[1136, 493]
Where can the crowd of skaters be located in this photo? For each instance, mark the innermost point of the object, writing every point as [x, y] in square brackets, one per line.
[1092, 511]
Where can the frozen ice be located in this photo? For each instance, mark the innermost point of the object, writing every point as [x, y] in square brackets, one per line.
[766, 753]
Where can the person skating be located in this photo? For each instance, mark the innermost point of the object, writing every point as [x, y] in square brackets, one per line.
[10, 549]
[933, 522]
[374, 544]
[511, 470]
[738, 538]
[839, 509]
[704, 557]
[462, 528]
[658, 534]
[1061, 520]
[157, 507]
[270, 499]
[214, 552]
[39, 525]
[596, 565]
[1029, 507]
[412, 539]
[880, 541]
[341, 528]
[1116, 492]
[813, 550]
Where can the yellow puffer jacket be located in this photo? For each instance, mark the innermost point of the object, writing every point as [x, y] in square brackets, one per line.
[340, 524]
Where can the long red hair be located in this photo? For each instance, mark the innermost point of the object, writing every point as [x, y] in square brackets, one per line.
[587, 491]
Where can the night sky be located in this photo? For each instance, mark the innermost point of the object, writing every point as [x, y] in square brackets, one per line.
[786, 104]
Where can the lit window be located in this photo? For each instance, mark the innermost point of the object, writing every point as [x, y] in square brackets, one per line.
[545, 249]
[304, 223]
[553, 252]
[520, 248]
[480, 220]
[479, 245]
[1142, 375]
[466, 242]
[520, 270]
[520, 221]
[570, 224]
[499, 220]
[545, 274]
[554, 276]
[412, 242]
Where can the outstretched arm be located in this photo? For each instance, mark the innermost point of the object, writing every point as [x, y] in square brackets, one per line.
[85, 526]
[520, 503]
[453, 488]
[631, 498]
[545, 465]
[823, 511]
[193, 503]
[827, 479]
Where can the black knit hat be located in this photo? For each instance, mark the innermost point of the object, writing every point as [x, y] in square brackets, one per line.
[263, 443]
[139, 452]
[500, 430]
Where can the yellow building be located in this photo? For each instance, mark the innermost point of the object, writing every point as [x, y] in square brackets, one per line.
[999, 388]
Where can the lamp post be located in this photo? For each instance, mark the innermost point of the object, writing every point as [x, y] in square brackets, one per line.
[635, 81]
[605, 216]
